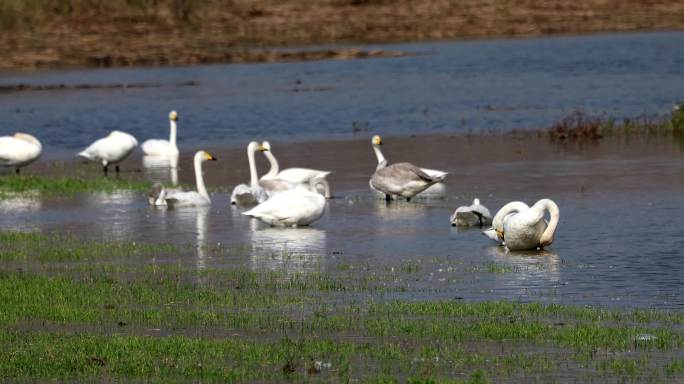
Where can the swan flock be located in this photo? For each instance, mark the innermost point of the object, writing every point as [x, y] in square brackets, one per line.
[294, 197]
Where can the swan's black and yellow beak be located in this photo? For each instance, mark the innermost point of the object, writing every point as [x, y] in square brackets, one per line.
[210, 157]
[377, 140]
[262, 148]
[173, 116]
[500, 234]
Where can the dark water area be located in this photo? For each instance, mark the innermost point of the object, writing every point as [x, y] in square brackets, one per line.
[618, 245]
[445, 87]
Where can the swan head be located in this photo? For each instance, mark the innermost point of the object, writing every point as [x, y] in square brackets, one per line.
[173, 116]
[376, 140]
[253, 146]
[204, 156]
[265, 146]
[476, 201]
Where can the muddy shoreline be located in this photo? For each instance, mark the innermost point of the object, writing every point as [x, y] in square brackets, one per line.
[77, 34]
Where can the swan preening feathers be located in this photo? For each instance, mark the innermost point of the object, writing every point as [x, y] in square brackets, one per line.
[246, 194]
[520, 227]
[111, 149]
[19, 150]
[401, 179]
[176, 198]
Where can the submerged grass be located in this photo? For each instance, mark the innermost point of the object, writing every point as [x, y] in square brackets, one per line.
[104, 318]
[11, 185]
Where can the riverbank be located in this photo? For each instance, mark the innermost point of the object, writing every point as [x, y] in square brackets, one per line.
[73, 33]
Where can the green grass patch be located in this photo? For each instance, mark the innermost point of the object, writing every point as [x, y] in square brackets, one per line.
[12, 185]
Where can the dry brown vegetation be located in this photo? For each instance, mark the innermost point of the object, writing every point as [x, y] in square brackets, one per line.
[35, 33]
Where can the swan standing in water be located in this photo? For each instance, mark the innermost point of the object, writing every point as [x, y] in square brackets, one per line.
[470, 216]
[19, 150]
[296, 207]
[176, 198]
[400, 179]
[253, 193]
[436, 189]
[293, 175]
[527, 229]
[111, 149]
[165, 148]
[495, 232]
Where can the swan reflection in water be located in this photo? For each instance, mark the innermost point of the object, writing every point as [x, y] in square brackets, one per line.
[116, 207]
[292, 250]
[15, 211]
[161, 169]
[532, 270]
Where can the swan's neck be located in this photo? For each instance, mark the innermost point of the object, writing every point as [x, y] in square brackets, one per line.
[315, 182]
[547, 237]
[512, 207]
[172, 133]
[199, 178]
[382, 162]
[273, 172]
[253, 177]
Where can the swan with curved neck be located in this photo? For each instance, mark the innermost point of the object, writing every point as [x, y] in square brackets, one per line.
[400, 179]
[495, 232]
[292, 208]
[161, 147]
[19, 150]
[244, 194]
[527, 229]
[293, 175]
[160, 196]
[111, 149]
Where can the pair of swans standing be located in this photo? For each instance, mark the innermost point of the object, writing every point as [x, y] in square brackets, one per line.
[114, 148]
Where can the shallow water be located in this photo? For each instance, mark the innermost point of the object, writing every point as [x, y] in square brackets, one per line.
[454, 87]
[619, 242]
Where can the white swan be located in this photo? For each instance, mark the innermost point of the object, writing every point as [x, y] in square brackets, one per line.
[470, 216]
[177, 198]
[435, 189]
[253, 193]
[295, 207]
[495, 232]
[160, 147]
[19, 150]
[111, 149]
[293, 175]
[527, 229]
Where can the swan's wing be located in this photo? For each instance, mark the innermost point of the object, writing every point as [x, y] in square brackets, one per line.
[15, 151]
[301, 175]
[435, 173]
[401, 178]
[189, 198]
[289, 206]
[273, 186]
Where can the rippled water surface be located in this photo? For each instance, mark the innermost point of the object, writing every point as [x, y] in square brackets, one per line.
[440, 87]
[619, 242]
